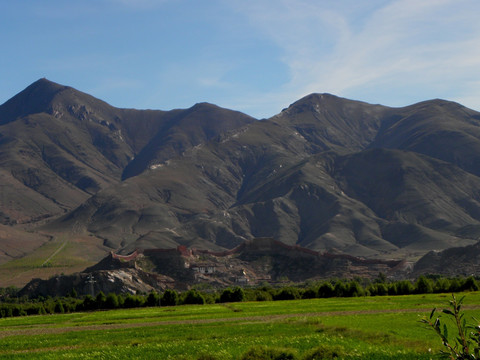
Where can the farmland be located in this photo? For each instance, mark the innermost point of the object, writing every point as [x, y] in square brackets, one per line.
[361, 328]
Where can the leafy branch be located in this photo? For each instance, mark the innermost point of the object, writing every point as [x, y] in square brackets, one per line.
[465, 344]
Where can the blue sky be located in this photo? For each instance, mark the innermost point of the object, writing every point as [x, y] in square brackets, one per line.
[255, 56]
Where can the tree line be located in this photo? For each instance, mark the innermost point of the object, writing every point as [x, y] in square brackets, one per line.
[11, 305]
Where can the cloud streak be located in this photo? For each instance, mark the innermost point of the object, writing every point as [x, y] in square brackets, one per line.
[404, 50]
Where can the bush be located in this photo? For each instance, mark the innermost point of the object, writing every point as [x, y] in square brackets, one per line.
[326, 290]
[101, 300]
[378, 289]
[287, 294]
[265, 353]
[309, 294]
[404, 287]
[260, 295]
[325, 352]
[465, 342]
[340, 289]
[193, 297]
[59, 309]
[470, 284]
[112, 301]
[169, 298]
[153, 299]
[89, 303]
[354, 289]
[423, 285]
[455, 286]
[133, 301]
[235, 295]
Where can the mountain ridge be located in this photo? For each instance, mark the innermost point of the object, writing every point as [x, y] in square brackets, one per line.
[326, 173]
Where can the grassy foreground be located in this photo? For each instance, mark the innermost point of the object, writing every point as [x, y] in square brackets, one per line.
[361, 328]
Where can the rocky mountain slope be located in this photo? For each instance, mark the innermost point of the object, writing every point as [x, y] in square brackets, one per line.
[251, 263]
[326, 173]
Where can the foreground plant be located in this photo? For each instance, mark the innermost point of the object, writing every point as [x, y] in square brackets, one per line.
[465, 343]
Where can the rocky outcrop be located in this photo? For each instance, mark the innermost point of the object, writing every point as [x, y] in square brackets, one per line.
[123, 280]
[451, 262]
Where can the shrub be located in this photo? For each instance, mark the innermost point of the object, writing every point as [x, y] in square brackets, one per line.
[235, 295]
[423, 285]
[325, 352]
[465, 343]
[59, 309]
[89, 303]
[354, 289]
[101, 300]
[404, 287]
[265, 353]
[470, 284]
[193, 297]
[133, 301]
[309, 294]
[325, 290]
[287, 294]
[261, 295]
[455, 286]
[378, 289]
[153, 299]
[112, 301]
[340, 289]
[169, 298]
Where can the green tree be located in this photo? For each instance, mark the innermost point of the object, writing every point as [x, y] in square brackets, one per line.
[354, 289]
[153, 299]
[169, 298]
[112, 301]
[235, 295]
[133, 301]
[101, 300]
[326, 290]
[423, 285]
[405, 287]
[59, 309]
[193, 297]
[470, 284]
[288, 293]
[309, 294]
[340, 289]
[89, 303]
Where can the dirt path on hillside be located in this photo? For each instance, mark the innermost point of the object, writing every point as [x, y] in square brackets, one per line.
[41, 329]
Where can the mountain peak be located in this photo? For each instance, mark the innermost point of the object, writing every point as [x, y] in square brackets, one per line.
[42, 88]
[33, 99]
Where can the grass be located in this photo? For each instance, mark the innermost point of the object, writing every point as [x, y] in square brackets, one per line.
[365, 328]
[61, 254]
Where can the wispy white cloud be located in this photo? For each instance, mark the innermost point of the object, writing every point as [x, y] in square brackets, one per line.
[430, 47]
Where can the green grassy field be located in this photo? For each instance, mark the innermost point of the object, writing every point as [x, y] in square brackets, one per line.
[61, 254]
[362, 328]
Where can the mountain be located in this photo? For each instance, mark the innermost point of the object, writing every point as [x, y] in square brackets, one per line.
[450, 262]
[326, 173]
[59, 146]
[314, 175]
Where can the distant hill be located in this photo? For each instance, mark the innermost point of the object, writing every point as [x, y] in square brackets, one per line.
[326, 173]
[253, 262]
[450, 262]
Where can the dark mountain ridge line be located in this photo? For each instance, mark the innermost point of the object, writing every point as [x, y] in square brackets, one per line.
[325, 173]
[261, 166]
